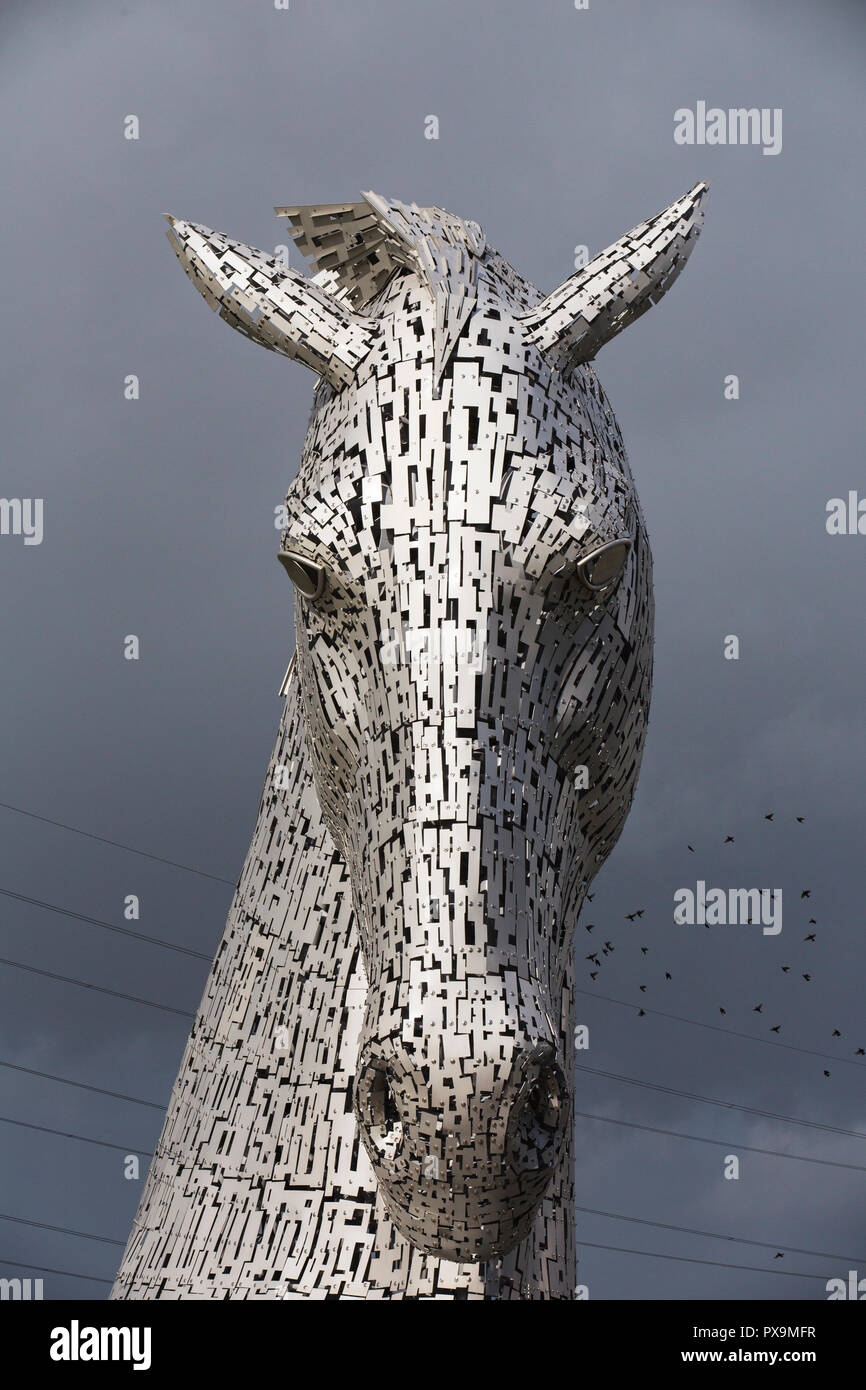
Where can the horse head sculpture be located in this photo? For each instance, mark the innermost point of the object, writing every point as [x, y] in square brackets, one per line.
[474, 654]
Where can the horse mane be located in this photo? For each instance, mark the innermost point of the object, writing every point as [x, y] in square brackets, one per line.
[357, 247]
[361, 245]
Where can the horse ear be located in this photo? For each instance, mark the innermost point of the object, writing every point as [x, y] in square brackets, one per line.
[273, 305]
[620, 284]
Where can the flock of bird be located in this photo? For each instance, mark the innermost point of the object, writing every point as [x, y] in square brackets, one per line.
[595, 958]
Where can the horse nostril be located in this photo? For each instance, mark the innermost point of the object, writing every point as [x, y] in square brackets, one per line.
[379, 1111]
[537, 1118]
[544, 1098]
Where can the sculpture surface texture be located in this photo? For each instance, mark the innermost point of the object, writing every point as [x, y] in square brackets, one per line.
[375, 1100]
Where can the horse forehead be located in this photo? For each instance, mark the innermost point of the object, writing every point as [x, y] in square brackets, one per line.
[502, 438]
[558, 449]
[534, 531]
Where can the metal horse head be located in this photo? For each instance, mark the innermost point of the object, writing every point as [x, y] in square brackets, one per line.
[474, 654]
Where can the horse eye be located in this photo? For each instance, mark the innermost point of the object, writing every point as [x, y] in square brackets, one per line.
[307, 577]
[604, 564]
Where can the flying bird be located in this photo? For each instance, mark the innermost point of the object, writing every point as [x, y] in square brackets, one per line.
[799, 819]
[810, 937]
[642, 1013]
[785, 969]
[776, 1028]
[729, 839]
[593, 974]
[722, 1011]
[691, 847]
[757, 1009]
[668, 975]
[860, 1052]
[769, 815]
[836, 1033]
[806, 893]
[643, 950]
[643, 989]
[778, 1255]
[630, 916]
[807, 978]
[826, 1073]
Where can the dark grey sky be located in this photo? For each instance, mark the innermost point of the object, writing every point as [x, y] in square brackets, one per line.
[556, 128]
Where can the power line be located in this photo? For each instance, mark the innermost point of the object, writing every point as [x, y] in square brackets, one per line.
[596, 1071]
[63, 1230]
[614, 1076]
[201, 955]
[725, 1143]
[717, 1028]
[592, 1211]
[591, 994]
[580, 1114]
[188, 951]
[616, 1216]
[590, 1245]
[714, 1235]
[173, 863]
[66, 1273]
[108, 926]
[83, 1138]
[725, 1104]
[82, 1085]
[692, 1260]
[100, 989]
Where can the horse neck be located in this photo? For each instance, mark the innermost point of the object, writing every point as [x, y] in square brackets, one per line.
[259, 1186]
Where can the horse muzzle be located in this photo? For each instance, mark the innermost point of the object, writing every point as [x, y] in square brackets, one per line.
[463, 1153]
